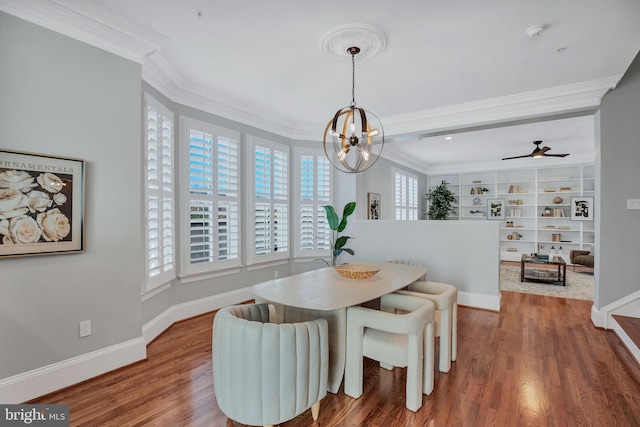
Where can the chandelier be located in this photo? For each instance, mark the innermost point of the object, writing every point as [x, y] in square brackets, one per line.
[354, 137]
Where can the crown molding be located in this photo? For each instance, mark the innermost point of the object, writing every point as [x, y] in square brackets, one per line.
[111, 32]
[162, 77]
[389, 154]
[90, 24]
[540, 103]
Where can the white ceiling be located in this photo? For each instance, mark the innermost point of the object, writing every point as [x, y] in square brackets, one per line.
[261, 61]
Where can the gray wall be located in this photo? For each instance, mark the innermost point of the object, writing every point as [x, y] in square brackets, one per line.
[619, 140]
[379, 180]
[62, 97]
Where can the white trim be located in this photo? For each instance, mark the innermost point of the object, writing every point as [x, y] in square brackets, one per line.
[482, 301]
[626, 340]
[265, 264]
[91, 24]
[152, 293]
[190, 278]
[178, 312]
[38, 382]
[601, 317]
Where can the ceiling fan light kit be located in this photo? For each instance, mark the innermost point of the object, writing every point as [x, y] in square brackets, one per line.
[537, 153]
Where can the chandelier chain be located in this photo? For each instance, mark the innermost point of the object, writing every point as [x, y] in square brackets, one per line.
[353, 79]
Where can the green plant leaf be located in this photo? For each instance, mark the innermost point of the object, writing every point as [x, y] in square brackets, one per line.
[349, 208]
[347, 250]
[332, 217]
[341, 241]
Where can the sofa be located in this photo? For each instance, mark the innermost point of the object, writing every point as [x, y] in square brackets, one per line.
[581, 257]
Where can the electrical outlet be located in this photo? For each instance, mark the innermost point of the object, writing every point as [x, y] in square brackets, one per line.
[85, 328]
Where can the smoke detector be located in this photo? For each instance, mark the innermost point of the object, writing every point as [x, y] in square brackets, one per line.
[535, 31]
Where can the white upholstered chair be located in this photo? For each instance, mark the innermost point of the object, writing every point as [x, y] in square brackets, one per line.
[266, 373]
[393, 340]
[445, 298]
[411, 262]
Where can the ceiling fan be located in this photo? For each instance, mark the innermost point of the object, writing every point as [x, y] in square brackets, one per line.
[537, 152]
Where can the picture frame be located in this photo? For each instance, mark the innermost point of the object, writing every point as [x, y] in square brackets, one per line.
[581, 208]
[495, 208]
[41, 204]
[373, 203]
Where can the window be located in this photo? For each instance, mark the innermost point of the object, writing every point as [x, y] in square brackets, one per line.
[406, 195]
[159, 192]
[268, 217]
[312, 177]
[211, 180]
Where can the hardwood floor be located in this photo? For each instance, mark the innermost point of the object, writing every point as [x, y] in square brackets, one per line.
[538, 362]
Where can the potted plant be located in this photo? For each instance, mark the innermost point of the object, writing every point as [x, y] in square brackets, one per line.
[337, 226]
[442, 200]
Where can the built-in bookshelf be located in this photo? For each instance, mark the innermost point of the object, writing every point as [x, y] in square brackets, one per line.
[537, 206]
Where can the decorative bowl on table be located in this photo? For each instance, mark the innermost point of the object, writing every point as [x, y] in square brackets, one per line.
[356, 271]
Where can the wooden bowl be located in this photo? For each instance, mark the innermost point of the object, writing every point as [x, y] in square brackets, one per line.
[356, 271]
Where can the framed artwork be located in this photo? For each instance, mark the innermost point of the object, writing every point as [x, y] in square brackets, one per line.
[41, 204]
[582, 208]
[495, 207]
[373, 201]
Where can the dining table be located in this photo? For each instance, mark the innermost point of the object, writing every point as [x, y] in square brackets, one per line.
[324, 293]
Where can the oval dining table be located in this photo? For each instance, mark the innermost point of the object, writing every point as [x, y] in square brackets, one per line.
[324, 293]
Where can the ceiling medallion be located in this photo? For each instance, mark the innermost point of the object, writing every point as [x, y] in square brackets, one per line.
[368, 38]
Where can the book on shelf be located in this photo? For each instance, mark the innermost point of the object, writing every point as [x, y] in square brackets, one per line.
[558, 213]
[515, 212]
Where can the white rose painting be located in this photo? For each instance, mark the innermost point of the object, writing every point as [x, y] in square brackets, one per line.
[37, 204]
[30, 205]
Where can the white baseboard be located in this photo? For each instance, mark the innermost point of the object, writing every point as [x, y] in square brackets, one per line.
[601, 317]
[628, 342]
[178, 312]
[38, 382]
[485, 302]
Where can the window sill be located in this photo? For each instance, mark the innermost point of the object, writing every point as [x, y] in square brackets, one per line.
[208, 275]
[266, 264]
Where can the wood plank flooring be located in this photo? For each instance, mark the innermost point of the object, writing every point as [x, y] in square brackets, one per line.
[539, 362]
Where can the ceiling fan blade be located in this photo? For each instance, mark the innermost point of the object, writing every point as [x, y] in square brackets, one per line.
[545, 149]
[517, 157]
[555, 155]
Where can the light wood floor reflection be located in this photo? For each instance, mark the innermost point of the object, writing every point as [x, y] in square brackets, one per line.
[539, 362]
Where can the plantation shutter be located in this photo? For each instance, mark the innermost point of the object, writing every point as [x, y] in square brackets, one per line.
[213, 200]
[160, 230]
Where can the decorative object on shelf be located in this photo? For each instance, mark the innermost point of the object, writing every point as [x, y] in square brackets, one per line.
[519, 201]
[513, 202]
[565, 189]
[555, 237]
[549, 190]
[537, 153]
[337, 226]
[442, 200]
[356, 135]
[356, 271]
[547, 211]
[557, 200]
[510, 237]
[41, 213]
[476, 213]
[484, 190]
[512, 250]
[373, 201]
[473, 191]
[495, 208]
[516, 236]
[509, 224]
[582, 208]
[476, 201]
[477, 181]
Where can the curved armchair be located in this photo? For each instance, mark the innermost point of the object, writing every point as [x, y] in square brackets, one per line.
[393, 340]
[267, 373]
